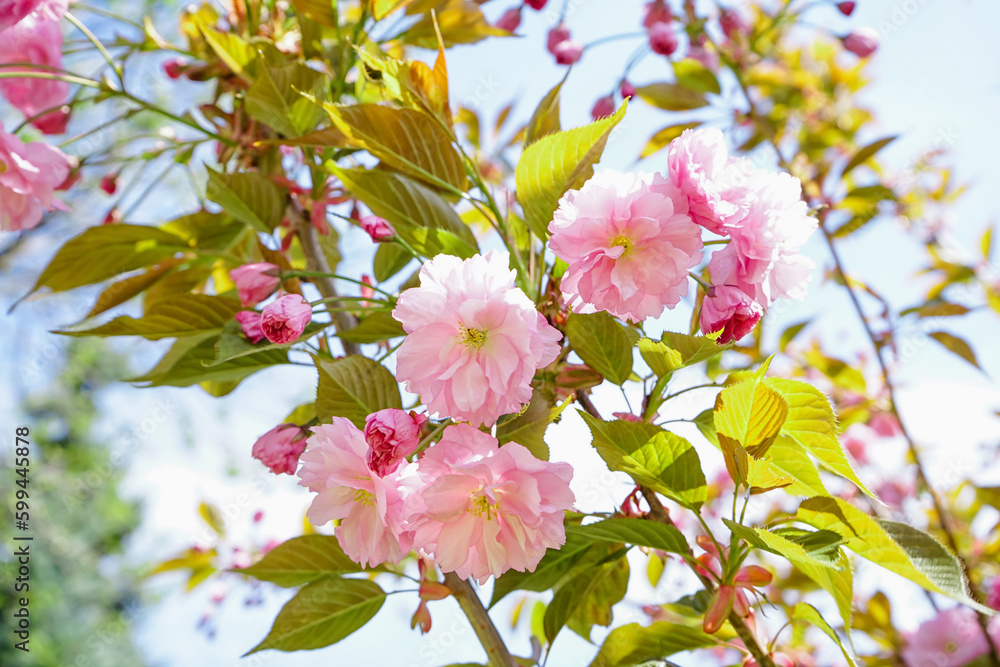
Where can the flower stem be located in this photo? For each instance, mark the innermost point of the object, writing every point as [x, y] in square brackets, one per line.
[482, 624]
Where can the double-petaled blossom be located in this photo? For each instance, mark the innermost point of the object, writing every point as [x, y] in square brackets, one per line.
[13, 11]
[953, 638]
[392, 435]
[35, 40]
[279, 449]
[483, 509]
[697, 162]
[284, 319]
[368, 506]
[29, 176]
[629, 243]
[475, 339]
[255, 282]
[730, 310]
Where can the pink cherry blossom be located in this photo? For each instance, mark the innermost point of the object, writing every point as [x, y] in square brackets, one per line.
[279, 449]
[568, 52]
[663, 39]
[731, 310]
[604, 106]
[846, 8]
[627, 90]
[392, 435]
[537, 5]
[993, 599]
[856, 440]
[629, 244]
[733, 24]
[250, 324]
[12, 11]
[30, 175]
[697, 162]
[475, 340]
[378, 228]
[862, 42]
[559, 34]
[368, 506]
[37, 40]
[284, 320]
[510, 20]
[255, 282]
[484, 509]
[657, 11]
[953, 638]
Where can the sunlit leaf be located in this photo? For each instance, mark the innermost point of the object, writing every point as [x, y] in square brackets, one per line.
[603, 344]
[302, 559]
[354, 387]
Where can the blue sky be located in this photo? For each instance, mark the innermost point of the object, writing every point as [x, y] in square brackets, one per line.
[937, 75]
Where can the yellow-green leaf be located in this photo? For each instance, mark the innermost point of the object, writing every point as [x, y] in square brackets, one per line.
[250, 197]
[808, 614]
[180, 315]
[603, 344]
[545, 120]
[663, 137]
[635, 644]
[677, 350]
[302, 559]
[865, 153]
[671, 96]
[956, 345]
[557, 163]
[354, 387]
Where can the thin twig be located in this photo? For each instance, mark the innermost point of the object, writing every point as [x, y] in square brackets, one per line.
[489, 636]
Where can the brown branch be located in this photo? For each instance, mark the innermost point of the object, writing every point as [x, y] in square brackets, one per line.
[316, 261]
[489, 636]
[660, 514]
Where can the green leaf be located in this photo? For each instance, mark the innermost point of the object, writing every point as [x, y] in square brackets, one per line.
[634, 644]
[865, 153]
[677, 350]
[284, 98]
[460, 22]
[232, 345]
[663, 137]
[789, 458]
[320, 11]
[390, 259]
[603, 344]
[405, 139]
[382, 8]
[748, 418]
[192, 360]
[354, 387]
[528, 428]
[817, 555]
[692, 74]
[374, 328]
[614, 440]
[956, 345]
[789, 334]
[545, 120]
[808, 614]
[907, 551]
[176, 316]
[421, 217]
[670, 465]
[589, 596]
[671, 96]
[302, 559]
[637, 532]
[203, 230]
[554, 164]
[123, 290]
[103, 252]
[237, 54]
[812, 424]
[323, 613]
[250, 197]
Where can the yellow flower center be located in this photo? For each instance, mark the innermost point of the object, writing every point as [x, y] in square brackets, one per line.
[472, 337]
[950, 647]
[364, 497]
[481, 504]
[623, 241]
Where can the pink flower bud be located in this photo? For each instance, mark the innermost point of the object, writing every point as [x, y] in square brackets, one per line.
[378, 228]
[604, 106]
[718, 609]
[628, 90]
[626, 417]
[54, 122]
[422, 617]
[557, 35]
[731, 310]
[174, 68]
[537, 5]
[733, 24]
[753, 575]
[663, 39]
[511, 20]
[250, 323]
[656, 12]
[568, 52]
[846, 8]
[280, 448]
[113, 217]
[258, 516]
[863, 42]
[392, 435]
[109, 183]
[284, 320]
[254, 282]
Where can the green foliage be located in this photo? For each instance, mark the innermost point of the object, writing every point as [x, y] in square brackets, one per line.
[354, 387]
[676, 350]
[635, 644]
[603, 343]
[249, 197]
[174, 317]
[302, 560]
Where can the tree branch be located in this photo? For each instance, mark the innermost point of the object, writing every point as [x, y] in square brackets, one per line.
[489, 636]
[316, 261]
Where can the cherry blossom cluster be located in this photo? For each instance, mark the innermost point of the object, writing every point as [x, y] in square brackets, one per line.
[31, 173]
[632, 240]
